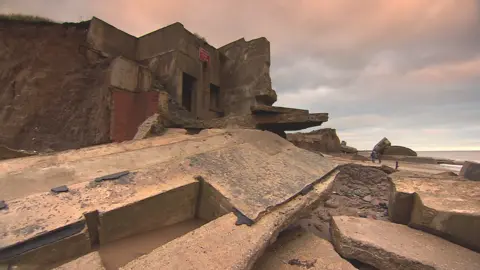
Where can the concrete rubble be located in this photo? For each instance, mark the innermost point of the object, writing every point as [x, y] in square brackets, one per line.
[386, 245]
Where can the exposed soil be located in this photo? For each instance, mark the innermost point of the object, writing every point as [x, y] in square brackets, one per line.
[358, 191]
[51, 97]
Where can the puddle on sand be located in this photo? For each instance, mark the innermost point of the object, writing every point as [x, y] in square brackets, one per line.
[116, 254]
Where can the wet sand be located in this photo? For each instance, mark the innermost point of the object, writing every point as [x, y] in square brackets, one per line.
[116, 254]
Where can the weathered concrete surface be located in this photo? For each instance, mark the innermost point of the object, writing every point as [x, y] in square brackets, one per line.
[386, 245]
[450, 209]
[221, 244]
[471, 171]
[405, 184]
[91, 261]
[25, 176]
[311, 251]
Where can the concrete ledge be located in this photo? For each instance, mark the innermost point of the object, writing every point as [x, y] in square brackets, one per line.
[221, 244]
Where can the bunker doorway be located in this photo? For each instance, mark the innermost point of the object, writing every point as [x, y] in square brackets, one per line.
[188, 86]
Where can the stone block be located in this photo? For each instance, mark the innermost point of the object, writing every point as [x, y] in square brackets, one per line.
[387, 245]
[471, 171]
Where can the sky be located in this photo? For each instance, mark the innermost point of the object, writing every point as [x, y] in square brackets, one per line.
[408, 70]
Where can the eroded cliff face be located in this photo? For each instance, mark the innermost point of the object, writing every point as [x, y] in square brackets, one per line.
[322, 140]
[51, 96]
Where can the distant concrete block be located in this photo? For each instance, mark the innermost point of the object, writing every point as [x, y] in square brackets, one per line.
[471, 171]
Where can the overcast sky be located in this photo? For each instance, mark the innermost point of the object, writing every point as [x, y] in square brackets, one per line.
[405, 69]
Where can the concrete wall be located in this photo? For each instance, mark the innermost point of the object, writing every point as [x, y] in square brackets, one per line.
[105, 38]
[129, 75]
[158, 211]
[245, 75]
[160, 41]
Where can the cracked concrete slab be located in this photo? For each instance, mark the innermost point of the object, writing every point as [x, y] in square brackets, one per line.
[387, 245]
[450, 209]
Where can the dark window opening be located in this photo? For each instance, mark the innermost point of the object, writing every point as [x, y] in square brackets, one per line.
[188, 86]
[214, 97]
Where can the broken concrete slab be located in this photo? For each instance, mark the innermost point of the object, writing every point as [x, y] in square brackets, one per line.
[386, 245]
[228, 165]
[295, 249]
[91, 261]
[404, 184]
[220, 244]
[453, 216]
[471, 171]
[235, 173]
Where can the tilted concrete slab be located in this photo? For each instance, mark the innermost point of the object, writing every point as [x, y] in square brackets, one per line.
[386, 245]
[450, 209]
[221, 244]
[298, 249]
[245, 174]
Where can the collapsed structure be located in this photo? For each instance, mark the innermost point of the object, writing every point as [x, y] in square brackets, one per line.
[98, 84]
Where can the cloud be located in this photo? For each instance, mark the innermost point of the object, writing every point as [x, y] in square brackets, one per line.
[405, 69]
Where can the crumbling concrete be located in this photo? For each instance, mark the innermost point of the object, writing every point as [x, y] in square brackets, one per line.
[447, 208]
[295, 249]
[386, 245]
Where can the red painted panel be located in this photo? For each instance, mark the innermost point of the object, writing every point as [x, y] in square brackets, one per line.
[129, 111]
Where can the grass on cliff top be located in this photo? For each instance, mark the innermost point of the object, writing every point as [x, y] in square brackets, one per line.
[25, 18]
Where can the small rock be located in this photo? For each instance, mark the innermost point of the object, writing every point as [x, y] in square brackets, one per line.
[363, 215]
[3, 205]
[332, 203]
[59, 189]
[367, 198]
[383, 205]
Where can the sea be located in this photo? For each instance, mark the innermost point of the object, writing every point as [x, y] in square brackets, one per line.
[455, 155]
